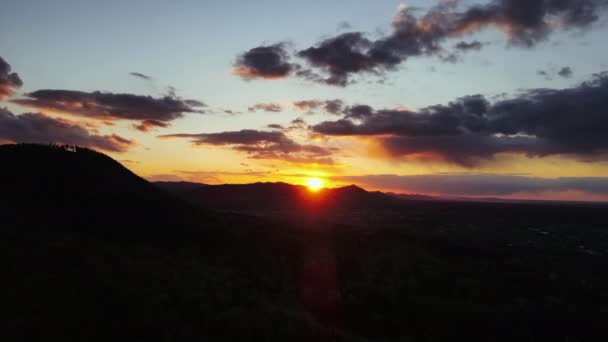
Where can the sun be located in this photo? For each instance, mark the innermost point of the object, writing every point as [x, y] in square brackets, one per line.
[314, 184]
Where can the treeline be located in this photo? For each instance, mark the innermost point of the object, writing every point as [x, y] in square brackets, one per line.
[46, 147]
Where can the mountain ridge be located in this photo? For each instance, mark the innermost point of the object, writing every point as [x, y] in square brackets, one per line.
[78, 188]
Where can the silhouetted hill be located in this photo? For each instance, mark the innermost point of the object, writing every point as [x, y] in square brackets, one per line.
[280, 196]
[92, 252]
[77, 188]
[179, 187]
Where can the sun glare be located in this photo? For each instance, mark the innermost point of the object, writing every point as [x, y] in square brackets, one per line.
[314, 184]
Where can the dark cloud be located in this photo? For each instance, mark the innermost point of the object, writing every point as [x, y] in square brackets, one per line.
[481, 184]
[37, 128]
[275, 126]
[333, 106]
[565, 72]
[267, 107]
[337, 59]
[242, 137]
[148, 125]
[140, 75]
[466, 46]
[340, 56]
[9, 81]
[274, 145]
[109, 106]
[270, 62]
[527, 22]
[330, 106]
[358, 111]
[538, 122]
[298, 123]
[464, 150]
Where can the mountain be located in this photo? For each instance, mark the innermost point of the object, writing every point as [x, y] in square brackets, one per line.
[414, 197]
[78, 188]
[279, 196]
[179, 187]
[89, 251]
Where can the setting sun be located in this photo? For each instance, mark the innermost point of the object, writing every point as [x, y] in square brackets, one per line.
[314, 184]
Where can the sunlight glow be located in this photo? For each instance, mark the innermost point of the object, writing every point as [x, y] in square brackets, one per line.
[314, 184]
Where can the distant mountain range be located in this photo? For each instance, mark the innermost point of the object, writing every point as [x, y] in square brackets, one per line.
[283, 196]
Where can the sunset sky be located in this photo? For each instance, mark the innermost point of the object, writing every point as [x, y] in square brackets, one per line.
[485, 98]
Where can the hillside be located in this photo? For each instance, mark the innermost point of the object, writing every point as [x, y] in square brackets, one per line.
[77, 188]
[92, 252]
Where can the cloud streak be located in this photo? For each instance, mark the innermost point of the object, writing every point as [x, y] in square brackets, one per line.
[267, 107]
[140, 75]
[272, 145]
[148, 125]
[37, 128]
[110, 106]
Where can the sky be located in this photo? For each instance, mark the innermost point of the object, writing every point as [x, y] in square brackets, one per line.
[483, 98]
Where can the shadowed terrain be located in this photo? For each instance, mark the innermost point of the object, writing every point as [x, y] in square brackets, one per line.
[94, 252]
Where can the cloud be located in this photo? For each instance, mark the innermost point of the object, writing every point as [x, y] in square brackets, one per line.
[231, 112]
[273, 145]
[344, 25]
[466, 46]
[208, 177]
[565, 72]
[148, 125]
[264, 62]
[552, 72]
[333, 106]
[544, 74]
[275, 126]
[9, 81]
[242, 137]
[307, 105]
[267, 107]
[109, 106]
[37, 128]
[528, 22]
[538, 122]
[298, 122]
[329, 106]
[140, 75]
[340, 56]
[358, 111]
[480, 184]
[335, 60]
